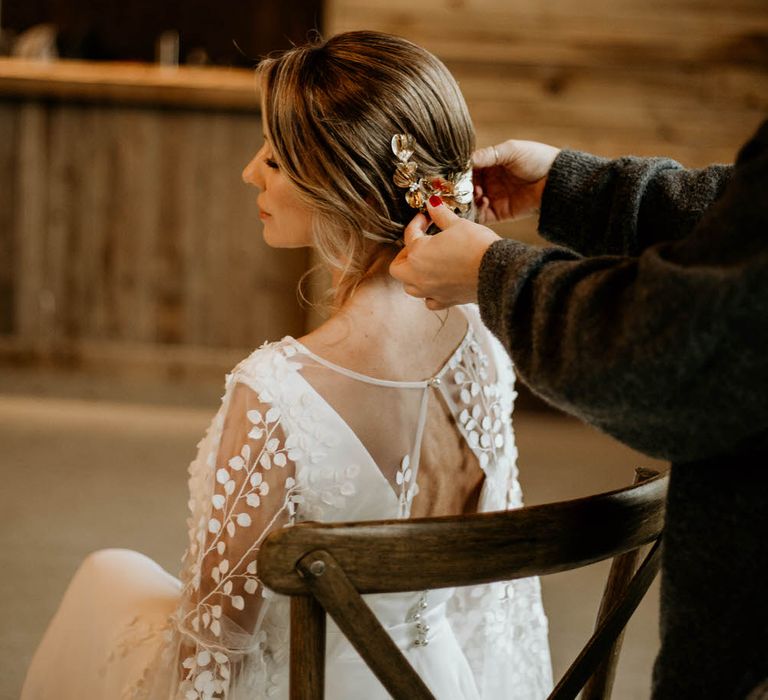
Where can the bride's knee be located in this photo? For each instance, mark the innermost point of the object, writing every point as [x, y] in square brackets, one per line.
[106, 560]
[128, 569]
[127, 578]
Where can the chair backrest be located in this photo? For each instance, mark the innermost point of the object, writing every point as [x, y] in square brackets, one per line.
[326, 568]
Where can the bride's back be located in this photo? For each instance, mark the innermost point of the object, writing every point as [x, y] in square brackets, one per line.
[428, 395]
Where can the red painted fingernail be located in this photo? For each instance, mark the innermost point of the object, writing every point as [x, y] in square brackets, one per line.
[435, 201]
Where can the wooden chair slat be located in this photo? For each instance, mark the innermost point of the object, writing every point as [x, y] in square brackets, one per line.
[307, 664]
[394, 555]
[362, 628]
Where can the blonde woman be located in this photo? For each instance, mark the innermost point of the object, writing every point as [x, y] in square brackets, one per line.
[386, 410]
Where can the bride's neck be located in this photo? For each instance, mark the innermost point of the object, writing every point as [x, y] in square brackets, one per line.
[377, 290]
[379, 303]
[382, 331]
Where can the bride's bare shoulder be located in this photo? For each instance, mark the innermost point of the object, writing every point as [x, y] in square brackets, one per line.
[398, 347]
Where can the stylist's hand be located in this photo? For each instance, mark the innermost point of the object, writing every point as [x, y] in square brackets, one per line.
[442, 268]
[509, 179]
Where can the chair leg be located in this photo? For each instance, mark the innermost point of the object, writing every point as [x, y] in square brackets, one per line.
[600, 685]
[362, 628]
[609, 629]
[307, 668]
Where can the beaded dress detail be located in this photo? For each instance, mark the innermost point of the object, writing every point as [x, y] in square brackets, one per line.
[299, 438]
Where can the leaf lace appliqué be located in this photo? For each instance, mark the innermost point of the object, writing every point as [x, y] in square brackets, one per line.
[221, 565]
[404, 478]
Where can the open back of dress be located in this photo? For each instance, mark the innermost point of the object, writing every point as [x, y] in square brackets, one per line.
[437, 438]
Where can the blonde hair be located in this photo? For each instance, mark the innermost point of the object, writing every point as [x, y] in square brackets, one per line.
[330, 110]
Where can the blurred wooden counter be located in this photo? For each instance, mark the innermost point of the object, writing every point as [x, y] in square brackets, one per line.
[126, 232]
[131, 83]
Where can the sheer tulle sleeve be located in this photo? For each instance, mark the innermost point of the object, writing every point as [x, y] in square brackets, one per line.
[245, 489]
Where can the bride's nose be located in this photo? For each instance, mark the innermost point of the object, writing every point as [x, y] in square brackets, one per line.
[251, 174]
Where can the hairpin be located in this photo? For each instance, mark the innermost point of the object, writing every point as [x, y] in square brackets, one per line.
[455, 189]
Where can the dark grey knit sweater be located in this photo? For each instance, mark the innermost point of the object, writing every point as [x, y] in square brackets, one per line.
[651, 323]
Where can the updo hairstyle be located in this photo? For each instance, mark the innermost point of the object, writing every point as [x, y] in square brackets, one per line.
[330, 110]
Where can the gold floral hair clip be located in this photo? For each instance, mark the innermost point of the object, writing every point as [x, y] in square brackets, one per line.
[455, 189]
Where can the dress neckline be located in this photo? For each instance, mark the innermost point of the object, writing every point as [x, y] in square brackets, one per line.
[419, 384]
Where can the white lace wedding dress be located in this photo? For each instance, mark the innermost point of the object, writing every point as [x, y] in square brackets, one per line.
[298, 438]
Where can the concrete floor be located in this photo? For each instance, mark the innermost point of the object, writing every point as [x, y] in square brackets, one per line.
[109, 470]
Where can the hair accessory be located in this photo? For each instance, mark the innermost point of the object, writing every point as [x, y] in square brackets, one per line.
[455, 189]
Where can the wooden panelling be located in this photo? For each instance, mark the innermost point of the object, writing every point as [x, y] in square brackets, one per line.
[8, 154]
[568, 32]
[132, 225]
[697, 116]
[682, 78]
[32, 300]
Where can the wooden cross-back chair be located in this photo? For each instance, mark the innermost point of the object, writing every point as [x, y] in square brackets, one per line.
[326, 568]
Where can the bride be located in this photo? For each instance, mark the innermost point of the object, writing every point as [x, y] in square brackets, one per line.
[387, 410]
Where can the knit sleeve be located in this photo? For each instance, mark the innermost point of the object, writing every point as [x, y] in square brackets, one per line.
[665, 350]
[598, 206]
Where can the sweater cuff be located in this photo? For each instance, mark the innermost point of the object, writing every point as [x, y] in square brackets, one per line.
[499, 269]
[567, 197]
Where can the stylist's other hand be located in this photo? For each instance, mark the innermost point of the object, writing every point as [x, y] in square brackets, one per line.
[443, 268]
[509, 179]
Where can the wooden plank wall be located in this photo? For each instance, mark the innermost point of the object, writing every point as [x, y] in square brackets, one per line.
[686, 79]
[8, 157]
[128, 226]
[131, 227]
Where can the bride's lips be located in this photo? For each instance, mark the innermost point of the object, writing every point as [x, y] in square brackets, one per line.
[263, 213]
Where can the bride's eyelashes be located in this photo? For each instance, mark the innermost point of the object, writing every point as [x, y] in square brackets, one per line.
[271, 163]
